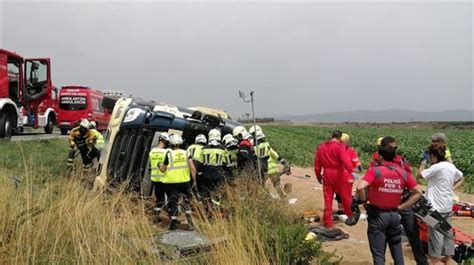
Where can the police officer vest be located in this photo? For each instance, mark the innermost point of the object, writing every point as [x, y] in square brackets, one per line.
[157, 157]
[178, 168]
[195, 151]
[386, 191]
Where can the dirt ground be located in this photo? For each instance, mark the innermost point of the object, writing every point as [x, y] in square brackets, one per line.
[354, 250]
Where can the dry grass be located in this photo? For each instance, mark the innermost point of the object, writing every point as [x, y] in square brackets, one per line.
[59, 220]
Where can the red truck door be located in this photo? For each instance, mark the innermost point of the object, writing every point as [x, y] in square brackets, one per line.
[37, 79]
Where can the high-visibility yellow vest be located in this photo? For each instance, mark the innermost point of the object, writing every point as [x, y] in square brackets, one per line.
[447, 154]
[272, 166]
[178, 168]
[213, 156]
[157, 157]
[262, 150]
[100, 141]
[195, 151]
[231, 157]
[273, 162]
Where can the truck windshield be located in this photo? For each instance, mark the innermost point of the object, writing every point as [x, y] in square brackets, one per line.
[73, 103]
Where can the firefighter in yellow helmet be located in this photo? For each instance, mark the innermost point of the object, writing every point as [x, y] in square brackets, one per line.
[214, 162]
[157, 157]
[82, 139]
[180, 177]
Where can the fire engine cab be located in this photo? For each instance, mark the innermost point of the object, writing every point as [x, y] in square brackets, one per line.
[27, 95]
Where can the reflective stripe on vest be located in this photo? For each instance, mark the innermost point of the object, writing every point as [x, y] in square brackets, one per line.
[157, 156]
[401, 172]
[178, 168]
[386, 190]
[262, 150]
[213, 156]
[231, 157]
[195, 152]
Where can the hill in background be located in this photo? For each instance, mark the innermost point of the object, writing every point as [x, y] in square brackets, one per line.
[384, 116]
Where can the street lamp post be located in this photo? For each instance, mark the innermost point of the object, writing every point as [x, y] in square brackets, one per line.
[255, 141]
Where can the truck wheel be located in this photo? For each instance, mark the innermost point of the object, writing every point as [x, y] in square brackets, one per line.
[5, 126]
[63, 131]
[49, 126]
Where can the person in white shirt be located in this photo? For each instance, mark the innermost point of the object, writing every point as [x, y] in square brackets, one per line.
[443, 178]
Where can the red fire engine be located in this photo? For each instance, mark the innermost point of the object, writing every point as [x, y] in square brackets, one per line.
[27, 95]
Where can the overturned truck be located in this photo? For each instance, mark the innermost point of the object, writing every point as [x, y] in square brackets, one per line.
[133, 130]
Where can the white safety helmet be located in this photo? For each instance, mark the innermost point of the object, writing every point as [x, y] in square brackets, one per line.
[240, 133]
[256, 129]
[214, 135]
[200, 139]
[164, 136]
[85, 124]
[229, 140]
[176, 140]
[93, 125]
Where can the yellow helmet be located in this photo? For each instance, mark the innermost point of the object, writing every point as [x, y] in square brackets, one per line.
[345, 138]
[379, 141]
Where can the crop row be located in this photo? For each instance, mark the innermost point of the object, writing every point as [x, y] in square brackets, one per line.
[298, 143]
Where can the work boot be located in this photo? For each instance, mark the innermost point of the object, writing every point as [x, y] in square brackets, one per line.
[353, 219]
[157, 212]
[174, 224]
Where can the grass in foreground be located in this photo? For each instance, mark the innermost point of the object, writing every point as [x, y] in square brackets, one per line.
[51, 219]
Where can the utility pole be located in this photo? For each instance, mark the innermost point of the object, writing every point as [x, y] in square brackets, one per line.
[255, 141]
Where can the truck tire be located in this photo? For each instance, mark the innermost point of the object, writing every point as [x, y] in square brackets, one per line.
[64, 131]
[48, 129]
[5, 126]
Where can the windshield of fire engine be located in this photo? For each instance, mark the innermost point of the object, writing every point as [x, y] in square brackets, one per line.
[73, 102]
[36, 77]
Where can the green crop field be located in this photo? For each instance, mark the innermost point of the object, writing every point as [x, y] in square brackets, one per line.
[297, 144]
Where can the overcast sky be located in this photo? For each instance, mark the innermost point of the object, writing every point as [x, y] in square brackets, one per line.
[299, 58]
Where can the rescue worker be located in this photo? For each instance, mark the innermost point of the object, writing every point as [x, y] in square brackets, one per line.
[265, 153]
[400, 160]
[180, 177]
[356, 165]
[213, 157]
[273, 174]
[245, 157]
[157, 157]
[375, 155]
[195, 151]
[81, 138]
[441, 138]
[331, 159]
[408, 218]
[231, 150]
[385, 183]
[100, 141]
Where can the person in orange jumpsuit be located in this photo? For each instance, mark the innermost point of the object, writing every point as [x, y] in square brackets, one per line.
[330, 164]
